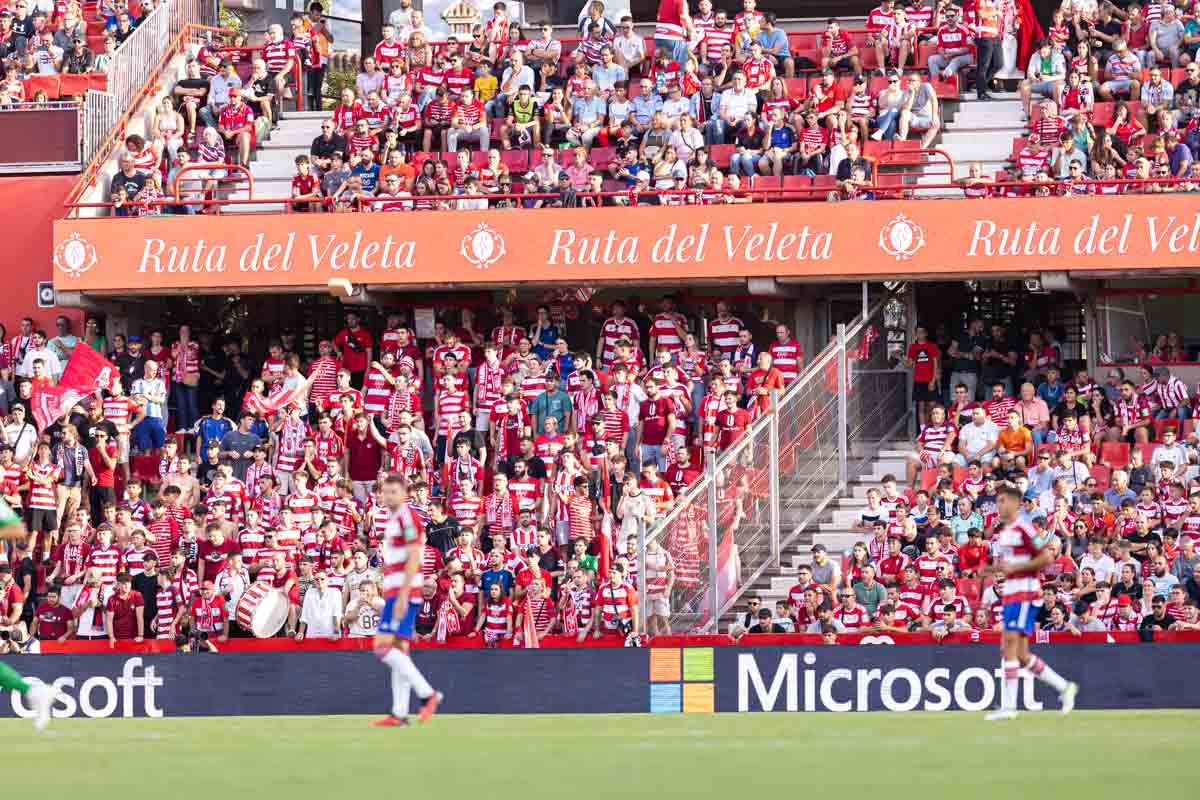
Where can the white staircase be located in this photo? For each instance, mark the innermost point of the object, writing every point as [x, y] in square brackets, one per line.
[834, 529]
[275, 162]
[981, 131]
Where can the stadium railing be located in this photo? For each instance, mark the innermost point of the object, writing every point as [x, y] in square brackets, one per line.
[686, 197]
[758, 496]
[134, 77]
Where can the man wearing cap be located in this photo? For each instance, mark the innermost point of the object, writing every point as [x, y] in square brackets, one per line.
[79, 59]
[236, 125]
[765, 623]
[825, 571]
[953, 48]
[1126, 618]
[208, 615]
[132, 363]
[124, 616]
[218, 92]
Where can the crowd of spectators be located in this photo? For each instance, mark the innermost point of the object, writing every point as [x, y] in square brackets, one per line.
[43, 39]
[692, 115]
[531, 461]
[697, 114]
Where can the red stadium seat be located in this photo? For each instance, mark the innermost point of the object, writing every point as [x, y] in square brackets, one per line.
[1103, 476]
[98, 81]
[797, 88]
[797, 182]
[721, 154]
[766, 182]
[1114, 455]
[601, 156]
[1189, 425]
[1146, 450]
[1161, 425]
[929, 479]
[515, 160]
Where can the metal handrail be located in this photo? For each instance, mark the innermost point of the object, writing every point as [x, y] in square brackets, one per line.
[174, 22]
[796, 194]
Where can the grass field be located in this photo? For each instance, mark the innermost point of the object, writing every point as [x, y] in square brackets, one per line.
[930, 755]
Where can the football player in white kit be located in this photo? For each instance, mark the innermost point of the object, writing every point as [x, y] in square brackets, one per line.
[402, 599]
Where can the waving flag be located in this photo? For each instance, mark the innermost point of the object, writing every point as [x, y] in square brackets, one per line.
[88, 371]
[50, 403]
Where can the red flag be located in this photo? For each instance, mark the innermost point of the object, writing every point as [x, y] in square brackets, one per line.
[88, 371]
[729, 572]
[529, 635]
[570, 615]
[50, 403]
[605, 545]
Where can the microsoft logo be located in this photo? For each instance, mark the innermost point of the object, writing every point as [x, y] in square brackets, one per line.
[681, 681]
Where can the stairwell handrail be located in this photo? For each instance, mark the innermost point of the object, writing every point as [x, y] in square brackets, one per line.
[814, 370]
[138, 66]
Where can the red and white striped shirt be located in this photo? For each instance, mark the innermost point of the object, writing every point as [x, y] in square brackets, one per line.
[786, 357]
[401, 531]
[496, 617]
[933, 437]
[118, 411]
[615, 603]
[108, 561]
[449, 404]
[278, 54]
[1019, 543]
[42, 496]
[1172, 393]
[613, 331]
[723, 334]
[666, 330]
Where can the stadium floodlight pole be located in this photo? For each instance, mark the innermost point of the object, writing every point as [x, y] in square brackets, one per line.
[714, 600]
[642, 571]
[843, 428]
[773, 475]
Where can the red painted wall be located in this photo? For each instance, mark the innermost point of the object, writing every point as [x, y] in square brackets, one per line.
[32, 204]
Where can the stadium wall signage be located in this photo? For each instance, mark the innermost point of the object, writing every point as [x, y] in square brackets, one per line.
[882, 239]
[569, 681]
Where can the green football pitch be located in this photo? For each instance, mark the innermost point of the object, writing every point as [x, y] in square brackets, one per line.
[919, 755]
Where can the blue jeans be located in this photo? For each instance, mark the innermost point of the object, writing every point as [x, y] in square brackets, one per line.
[714, 132]
[1039, 437]
[1180, 413]
[886, 122]
[187, 405]
[652, 452]
[743, 163]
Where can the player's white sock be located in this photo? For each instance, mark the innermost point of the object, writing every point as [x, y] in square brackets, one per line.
[1009, 683]
[1042, 671]
[412, 675]
[400, 685]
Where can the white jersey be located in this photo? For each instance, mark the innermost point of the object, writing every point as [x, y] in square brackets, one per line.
[365, 619]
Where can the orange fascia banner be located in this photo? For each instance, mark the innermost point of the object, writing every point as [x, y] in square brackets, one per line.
[870, 239]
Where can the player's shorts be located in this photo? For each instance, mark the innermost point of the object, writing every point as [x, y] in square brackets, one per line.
[405, 627]
[1019, 617]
